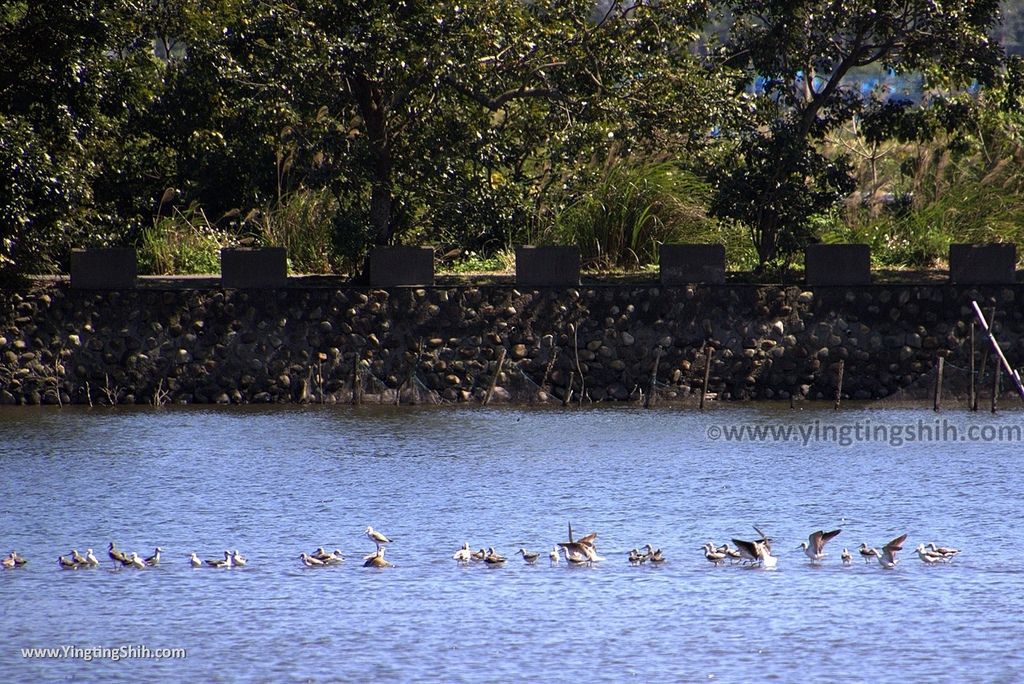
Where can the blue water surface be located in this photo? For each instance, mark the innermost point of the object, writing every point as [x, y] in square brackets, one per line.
[274, 482]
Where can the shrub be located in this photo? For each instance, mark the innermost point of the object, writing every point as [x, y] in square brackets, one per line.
[621, 219]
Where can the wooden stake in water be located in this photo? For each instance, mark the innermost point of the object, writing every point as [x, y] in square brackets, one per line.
[972, 397]
[494, 379]
[995, 386]
[984, 351]
[938, 386]
[708, 354]
[840, 368]
[551, 364]
[357, 382]
[649, 399]
[568, 390]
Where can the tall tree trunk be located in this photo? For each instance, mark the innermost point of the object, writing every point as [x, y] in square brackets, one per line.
[381, 204]
[373, 108]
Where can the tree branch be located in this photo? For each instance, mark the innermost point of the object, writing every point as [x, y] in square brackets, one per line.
[497, 102]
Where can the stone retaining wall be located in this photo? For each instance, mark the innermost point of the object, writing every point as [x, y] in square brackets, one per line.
[59, 345]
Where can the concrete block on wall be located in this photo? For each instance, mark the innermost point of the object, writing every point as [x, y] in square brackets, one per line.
[982, 264]
[682, 264]
[103, 268]
[837, 264]
[547, 266]
[253, 267]
[398, 266]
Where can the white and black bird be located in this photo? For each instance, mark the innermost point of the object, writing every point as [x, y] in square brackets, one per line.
[463, 555]
[334, 558]
[529, 556]
[758, 551]
[377, 560]
[946, 552]
[927, 556]
[310, 561]
[867, 552]
[713, 555]
[575, 557]
[494, 558]
[224, 562]
[116, 554]
[377, 537]
[153, 560]
[887, 559]
[134, 561]
[814, 547]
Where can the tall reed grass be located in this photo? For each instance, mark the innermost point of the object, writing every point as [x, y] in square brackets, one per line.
[940, 197]
[301, 222]
[620, 221]
[182, 243]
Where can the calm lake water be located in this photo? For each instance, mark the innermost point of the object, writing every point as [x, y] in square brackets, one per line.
[279, 481]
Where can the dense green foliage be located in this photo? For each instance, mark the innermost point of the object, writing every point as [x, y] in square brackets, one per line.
[797, 55]
[326, 126]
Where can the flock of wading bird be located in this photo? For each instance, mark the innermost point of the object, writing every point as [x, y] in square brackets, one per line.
[582, 551]
[759, 551]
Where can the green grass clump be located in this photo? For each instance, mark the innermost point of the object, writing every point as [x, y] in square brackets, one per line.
[182, 243]
[622, 218]
[301, 222]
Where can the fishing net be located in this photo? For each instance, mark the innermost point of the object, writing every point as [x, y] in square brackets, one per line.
[413, 391]
[677, 394]
[955, 390]
[516, 387]
[369, 389]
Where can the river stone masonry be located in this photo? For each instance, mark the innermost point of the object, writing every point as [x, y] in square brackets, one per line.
[302, 344]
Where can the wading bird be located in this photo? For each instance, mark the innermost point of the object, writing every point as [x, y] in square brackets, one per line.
[376, 537]
[888, 557]
[814, 547]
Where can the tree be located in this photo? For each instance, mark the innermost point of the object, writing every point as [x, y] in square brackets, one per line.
[796, 57]
[463, 123]
[71, 150]
[439, 118]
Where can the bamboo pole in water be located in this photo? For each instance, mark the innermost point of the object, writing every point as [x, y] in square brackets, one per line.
[494, 379]
[708, 354]
[937, 400]
[1002, 362]
[839, 383]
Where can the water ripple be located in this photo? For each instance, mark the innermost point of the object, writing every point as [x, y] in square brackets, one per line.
[276, 481]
